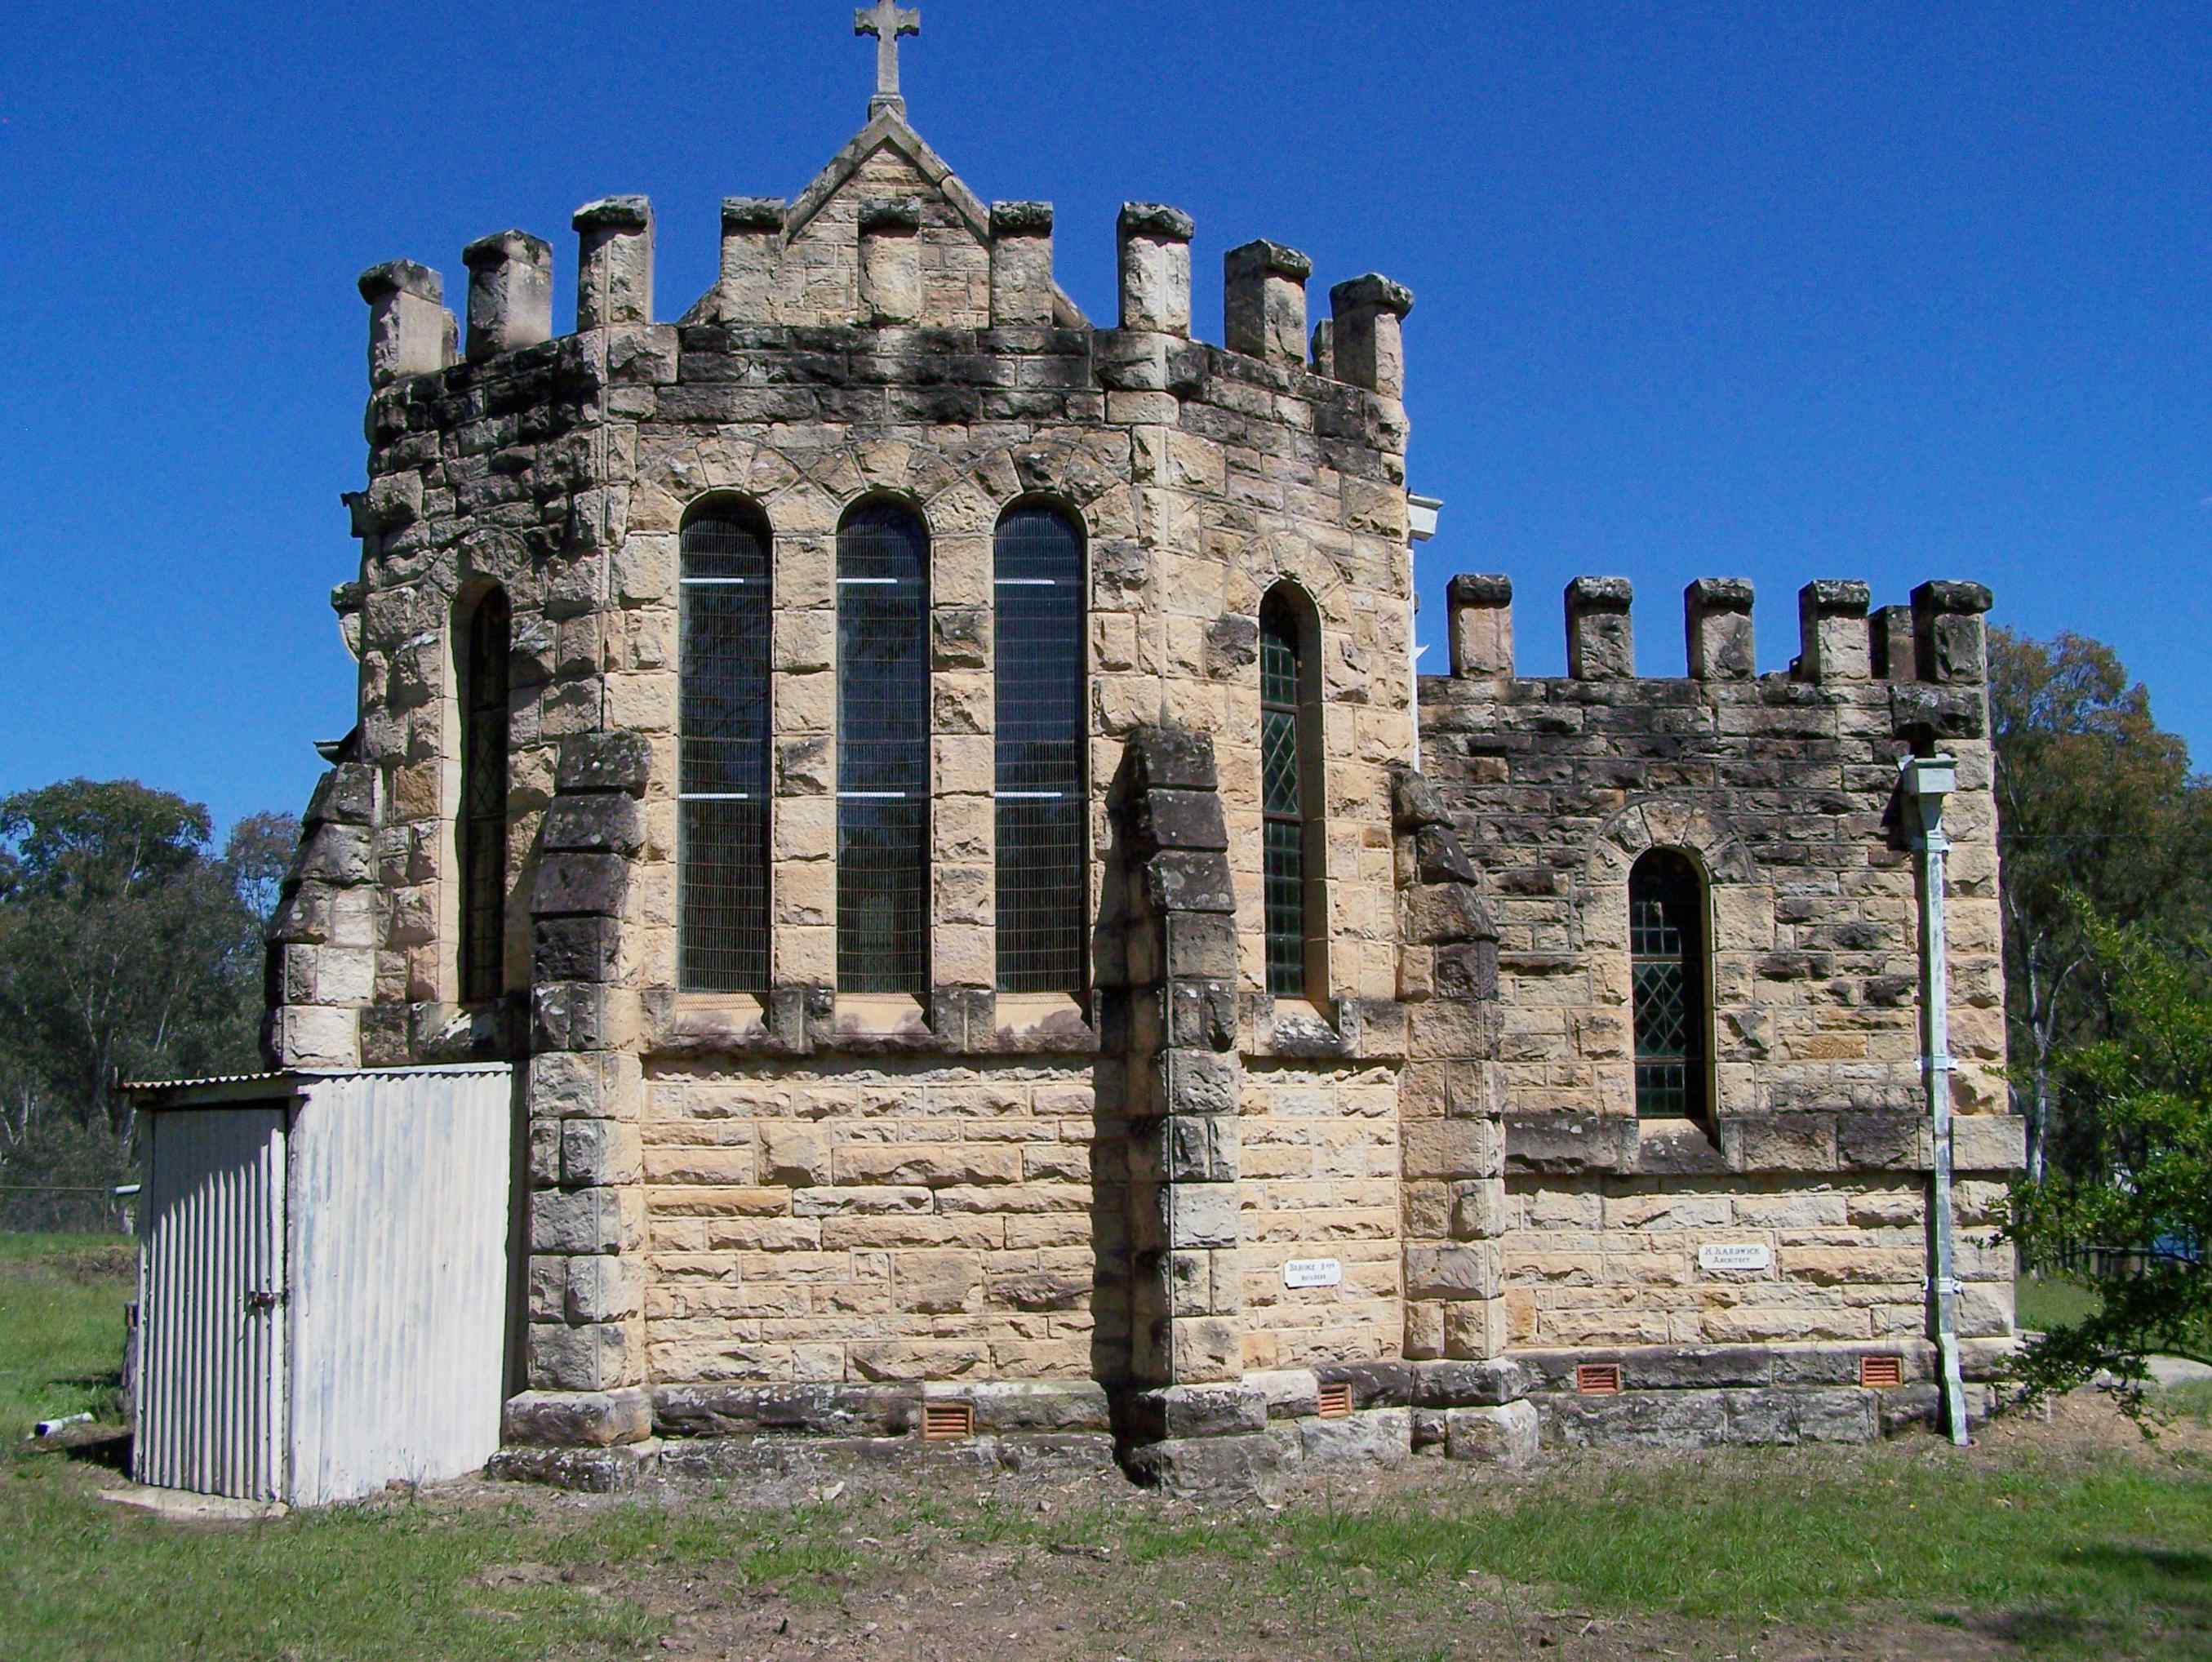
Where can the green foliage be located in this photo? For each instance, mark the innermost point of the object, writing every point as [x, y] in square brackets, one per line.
[2096, 806]
[2144, 1196]
[128, 948]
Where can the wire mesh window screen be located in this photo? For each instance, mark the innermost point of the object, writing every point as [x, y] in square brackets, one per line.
[1042, 807]
[723, 788]
[1282, 796]
[1666, 952]
[482, 829]
[883, 752]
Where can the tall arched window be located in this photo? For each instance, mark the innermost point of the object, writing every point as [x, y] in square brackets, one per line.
[1290, 796]
[883, 751]
[1667, 955]
[481, 828]
[722, 790]
[1042, 813]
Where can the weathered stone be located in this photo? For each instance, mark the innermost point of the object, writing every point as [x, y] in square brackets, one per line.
[1506, 1435]
[598, 825]
[1008, 1406]
[1198, 1410]
[605, 762]
[1209, 1468]
[1374, 1384]
[1469, 1384]
[597, 1419]
[822, 1410]
[1634, 1419]
[1379, 1437]
[1480, 609]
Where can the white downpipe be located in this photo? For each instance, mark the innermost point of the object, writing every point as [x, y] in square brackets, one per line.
[1926, 782]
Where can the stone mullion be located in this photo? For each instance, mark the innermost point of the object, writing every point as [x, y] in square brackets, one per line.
[964, 770]
[803, 815]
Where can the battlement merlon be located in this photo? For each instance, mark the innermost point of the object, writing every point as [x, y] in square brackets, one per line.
[1941, 638]
[411, 333]
[614, 262]
[510, 293]
[1155, 264]
[1367, 337]
[1264, 303]
[1022, 292]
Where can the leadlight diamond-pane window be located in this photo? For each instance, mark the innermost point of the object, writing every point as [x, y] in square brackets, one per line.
[723, 790]
[883, 752]
[1282, 797]
[482, 829]
[1042, 809]
[1667, 953]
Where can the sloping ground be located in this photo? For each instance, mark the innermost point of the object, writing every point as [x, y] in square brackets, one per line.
[2071, 1537]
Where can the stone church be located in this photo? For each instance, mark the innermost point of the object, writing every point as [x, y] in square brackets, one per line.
[998, 946]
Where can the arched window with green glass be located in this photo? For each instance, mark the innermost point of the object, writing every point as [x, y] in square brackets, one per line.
[722, 793]
[1293, 851]
[1670, 970]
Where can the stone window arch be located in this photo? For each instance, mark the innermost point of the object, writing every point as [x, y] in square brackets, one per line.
[726, 586]
[883, 749]
[480, 824]
[1292, 824]
[1670, 961]
[1042, 806]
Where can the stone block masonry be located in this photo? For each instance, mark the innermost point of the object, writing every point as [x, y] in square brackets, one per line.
[1813, 1147]
[1232, 1231]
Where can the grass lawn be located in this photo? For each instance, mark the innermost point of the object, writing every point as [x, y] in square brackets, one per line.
[2036, 1543]
[2054, 1301]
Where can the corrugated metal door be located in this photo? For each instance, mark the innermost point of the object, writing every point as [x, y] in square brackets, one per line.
[399, 1277]
[211, 1325]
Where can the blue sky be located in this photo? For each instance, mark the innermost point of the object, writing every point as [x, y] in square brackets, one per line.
[1879, 290]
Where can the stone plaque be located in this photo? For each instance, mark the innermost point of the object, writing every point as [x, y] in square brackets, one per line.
[1750, 1255]
[1312, 1272]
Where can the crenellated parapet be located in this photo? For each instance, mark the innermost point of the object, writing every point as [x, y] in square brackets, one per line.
[1939, 639]
[889, 238]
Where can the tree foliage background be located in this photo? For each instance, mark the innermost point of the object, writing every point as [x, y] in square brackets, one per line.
[2145, 1193]
[2099, 817]
[130, 949]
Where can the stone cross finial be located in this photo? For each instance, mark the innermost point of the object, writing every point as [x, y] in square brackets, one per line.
[889, 23]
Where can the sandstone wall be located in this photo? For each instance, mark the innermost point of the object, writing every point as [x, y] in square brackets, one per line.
[802, 1186]
[1783, 788]
[1321, 1180]
[1614, 1263]
[889, 1222]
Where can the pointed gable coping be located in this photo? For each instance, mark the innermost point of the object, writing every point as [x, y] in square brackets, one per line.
[890, 128]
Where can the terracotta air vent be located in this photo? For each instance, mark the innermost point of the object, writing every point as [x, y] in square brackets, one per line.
[1880, 1373]
[947, 1421]
[1598, 1379]
[1336, 1401]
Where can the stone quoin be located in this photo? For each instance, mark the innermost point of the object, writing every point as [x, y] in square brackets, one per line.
[944, 850]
